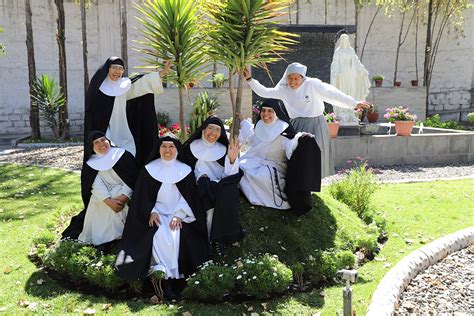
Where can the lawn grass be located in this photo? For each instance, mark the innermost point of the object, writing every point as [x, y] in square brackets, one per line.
[415, 213]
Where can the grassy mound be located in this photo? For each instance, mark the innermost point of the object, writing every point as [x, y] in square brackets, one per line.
[312, 246]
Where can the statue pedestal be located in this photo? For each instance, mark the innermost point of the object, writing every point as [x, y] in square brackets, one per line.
[349, 130]
[369, 129]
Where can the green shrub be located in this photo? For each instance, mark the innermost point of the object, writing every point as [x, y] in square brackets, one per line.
[470, 117]
[367, 244]
[211, 283]
[262, 276]
[163, 118]
[322, 265]
[203, 107]
[435, 121]
[48, 99]
[102, 273]
[355, 190]
[45, 237]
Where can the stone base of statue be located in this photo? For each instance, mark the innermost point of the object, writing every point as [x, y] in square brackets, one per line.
[349, 130]
[369, 128]
[346, 117]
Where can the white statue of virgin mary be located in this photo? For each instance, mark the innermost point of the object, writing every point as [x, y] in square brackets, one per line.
[350, 76]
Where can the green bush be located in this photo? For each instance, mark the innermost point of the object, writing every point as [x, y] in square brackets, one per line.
[211, 283]
[322, 266]
[262, 276]
[435, 121]
[470, 117]
[45, 237]
[355, 190]
[83, 263]
[203, 107]
[163, 118]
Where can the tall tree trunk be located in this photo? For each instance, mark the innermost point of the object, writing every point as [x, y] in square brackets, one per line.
[214, 71]
[426, 70]
[182, 122]
[397, 54]
[61, 39]
[84, 45]
[34, 113]
[297, 12]
[238, 103]
[416, 41]
[231, 90]
[368, 31]
[356, 16]
[123, 33]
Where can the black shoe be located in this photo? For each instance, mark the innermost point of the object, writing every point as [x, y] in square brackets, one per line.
[168, 293]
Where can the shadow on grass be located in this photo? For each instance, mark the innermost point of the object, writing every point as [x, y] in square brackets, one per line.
[27, 191]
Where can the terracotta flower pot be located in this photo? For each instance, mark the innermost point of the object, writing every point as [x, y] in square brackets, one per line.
[414, 83]
[372, 117]
[404, 128]
[333, 129]
[378, 82]
[397, 84]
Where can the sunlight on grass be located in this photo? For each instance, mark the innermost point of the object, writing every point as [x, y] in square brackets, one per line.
[416, 214]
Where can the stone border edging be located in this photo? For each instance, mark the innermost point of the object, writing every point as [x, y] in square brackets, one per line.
[397, 279]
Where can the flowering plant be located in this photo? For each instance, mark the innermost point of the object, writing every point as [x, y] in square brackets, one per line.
[399, 113]
[175, 129]
[331, 117]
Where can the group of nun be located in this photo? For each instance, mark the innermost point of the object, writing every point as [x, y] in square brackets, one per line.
[165, 204]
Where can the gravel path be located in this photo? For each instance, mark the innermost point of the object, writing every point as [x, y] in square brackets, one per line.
[71, 158]
[445, 288]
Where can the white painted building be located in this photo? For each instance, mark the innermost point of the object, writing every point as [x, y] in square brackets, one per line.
[452, 86]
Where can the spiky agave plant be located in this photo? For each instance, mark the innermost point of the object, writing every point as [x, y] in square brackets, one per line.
[48, 99]
[243, 33]
[172, 30]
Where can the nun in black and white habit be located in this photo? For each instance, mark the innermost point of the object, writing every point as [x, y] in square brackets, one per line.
[164, 231]
[107, 181]
[216, 167]
[281, 167]
[123, 108]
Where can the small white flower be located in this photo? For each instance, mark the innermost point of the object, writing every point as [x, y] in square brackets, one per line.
[244, 273]
[221, 275]
[274, 274]
[239, 277]
[196, 282]
[254, 277]
[260, 262]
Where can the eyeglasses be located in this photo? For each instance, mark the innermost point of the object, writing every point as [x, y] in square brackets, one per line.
[117, 67]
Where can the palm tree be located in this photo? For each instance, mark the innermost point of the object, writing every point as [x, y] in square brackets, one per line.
[242, 33]
[173, 30]
[30, 50]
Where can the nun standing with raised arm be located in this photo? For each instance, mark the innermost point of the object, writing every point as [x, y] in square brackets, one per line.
[124, 108]
[303, 99]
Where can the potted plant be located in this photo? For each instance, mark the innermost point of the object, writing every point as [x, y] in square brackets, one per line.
[372, 114]
[414, 83]
[333, 124]
[397, 83]
[378, 79]
[402, 118]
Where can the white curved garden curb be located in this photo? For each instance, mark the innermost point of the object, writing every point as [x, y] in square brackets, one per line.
[396, 280]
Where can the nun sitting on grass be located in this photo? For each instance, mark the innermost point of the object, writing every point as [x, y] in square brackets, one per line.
[164, 231]
[281, 167]
[216, 166]
[107, 181]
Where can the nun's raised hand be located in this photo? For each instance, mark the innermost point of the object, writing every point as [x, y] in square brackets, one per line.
[362, 105]
[166, 68]
[154, 219]
[175, 223]
[246, 73]
[234, 150]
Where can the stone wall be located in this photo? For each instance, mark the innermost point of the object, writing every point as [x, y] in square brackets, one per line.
[451, 86]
